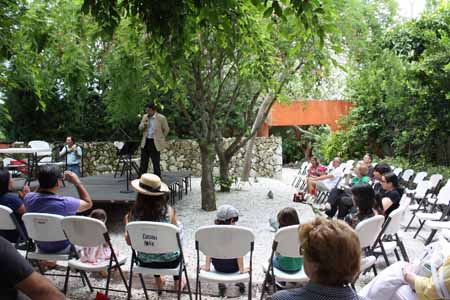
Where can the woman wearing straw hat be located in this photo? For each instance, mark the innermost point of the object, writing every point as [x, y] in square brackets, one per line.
[151, 205]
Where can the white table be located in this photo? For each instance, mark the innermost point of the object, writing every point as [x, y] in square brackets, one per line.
[32, 154]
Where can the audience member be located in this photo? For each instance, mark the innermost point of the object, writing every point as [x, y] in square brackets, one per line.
[73, 154]
[378, 172]
[99, 254]
[47, 200]
[363, 198]
[331, 254]
[226, 215]
[399, 281]
[20, 277]
[326, 182]
[151, 205]
[286, 217]
[14, 202]
[344, 203]
[390, 198]
[315, 168]
[367, 159]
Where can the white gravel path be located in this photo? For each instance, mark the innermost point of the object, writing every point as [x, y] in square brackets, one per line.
[255, 210]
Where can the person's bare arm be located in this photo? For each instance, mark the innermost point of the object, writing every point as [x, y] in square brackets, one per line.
[173, 216]
[37, 287]
[21, 210]
[207, 265]
[323, 177]
[127, 238]
[240, 262]
[85, 198]
[63, 151]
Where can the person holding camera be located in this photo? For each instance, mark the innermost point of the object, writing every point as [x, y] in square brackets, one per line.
[47, 200]
[154, 129]
[73, 155]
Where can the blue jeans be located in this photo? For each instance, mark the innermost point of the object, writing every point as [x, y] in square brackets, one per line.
[75, 169]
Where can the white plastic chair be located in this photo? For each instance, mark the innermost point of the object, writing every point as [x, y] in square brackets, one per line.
[8, 221]
[368, 232]
[286, 243]
[397, 171]
[390, 240]
[300, 179]
[406, 176]
[443, 199]
[224, 242]
[41, 145]
[419, 195]
[155, 237]
[46, 228]
[89, 232]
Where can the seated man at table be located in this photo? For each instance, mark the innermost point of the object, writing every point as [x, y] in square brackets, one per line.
[73, 155]
[47, 200]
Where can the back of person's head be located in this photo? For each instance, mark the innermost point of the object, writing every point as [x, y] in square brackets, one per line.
[364, 197]
[382, 168]
[287, 216]
[150, 207]
[391, 178]
[48, 176]
[332, 248]
[363, 168]
[99, 214]
[4, 181]
[226, 215]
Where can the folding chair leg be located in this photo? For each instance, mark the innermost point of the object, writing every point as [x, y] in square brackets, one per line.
[85, 277]
[396, 254]
[419, 229]
[403, 251]
[384, 254]
[130, 282]
[374, 270]
[143, 286]
[410, 221]
[266, 278]
[66, 281]
[187, 283]
[430, 237]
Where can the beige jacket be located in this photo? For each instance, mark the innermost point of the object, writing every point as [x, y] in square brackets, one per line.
[160, 133]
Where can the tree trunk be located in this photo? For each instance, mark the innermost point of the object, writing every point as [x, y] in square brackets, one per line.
[248, 159]
[207, 183]
[259, 120]
[224, 166]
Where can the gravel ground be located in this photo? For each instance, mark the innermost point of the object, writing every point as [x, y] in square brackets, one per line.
[255, 210]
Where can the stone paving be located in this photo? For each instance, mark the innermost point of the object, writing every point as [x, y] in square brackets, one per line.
[255, 210]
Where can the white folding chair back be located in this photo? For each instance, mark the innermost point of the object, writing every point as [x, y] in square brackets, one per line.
[421, 189]
[368, 230]
[6, 223]
[44, 227]
[153, 237]
[397, 171]
[84, 231]
[288, 241]
[434, 181]
[407, 174]
[41, 145]
[396, 220]
[7, 162]
[443, 198]
[419, 177]
[349, 163]
[224, 241]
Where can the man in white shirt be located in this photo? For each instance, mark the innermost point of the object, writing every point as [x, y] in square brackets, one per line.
[328, 181]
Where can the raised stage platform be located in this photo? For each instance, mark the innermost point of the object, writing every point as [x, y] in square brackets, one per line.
[107, 189]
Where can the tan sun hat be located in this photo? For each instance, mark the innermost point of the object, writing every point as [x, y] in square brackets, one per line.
[149, 184]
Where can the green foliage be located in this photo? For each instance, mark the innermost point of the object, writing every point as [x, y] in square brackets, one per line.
[224, 183]
[400, 90]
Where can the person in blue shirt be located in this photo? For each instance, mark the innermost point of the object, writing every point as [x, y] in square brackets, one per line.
[14, 202]
[73, 154]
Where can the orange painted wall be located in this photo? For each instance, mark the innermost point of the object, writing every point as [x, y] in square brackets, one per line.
[311, 112]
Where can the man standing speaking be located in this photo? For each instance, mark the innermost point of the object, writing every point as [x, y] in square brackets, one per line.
[154, 129]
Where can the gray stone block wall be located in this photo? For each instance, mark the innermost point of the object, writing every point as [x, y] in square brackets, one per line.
[100, 157]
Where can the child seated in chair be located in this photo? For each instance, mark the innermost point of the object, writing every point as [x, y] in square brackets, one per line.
[286, 217]
[99, 254]
[226, 215]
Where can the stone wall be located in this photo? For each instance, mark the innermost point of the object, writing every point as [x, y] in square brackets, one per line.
[100, 157]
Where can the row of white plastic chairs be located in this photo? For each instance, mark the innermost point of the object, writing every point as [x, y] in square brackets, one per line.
[218, 241]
